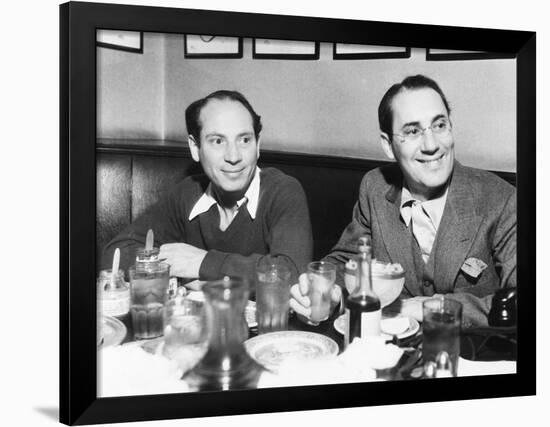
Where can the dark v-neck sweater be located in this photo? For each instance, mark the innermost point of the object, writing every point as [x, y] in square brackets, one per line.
[281, 228]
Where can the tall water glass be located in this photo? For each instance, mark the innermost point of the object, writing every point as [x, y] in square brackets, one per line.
[272, 296]
[321, 277]
[148, 294]
[441, 330]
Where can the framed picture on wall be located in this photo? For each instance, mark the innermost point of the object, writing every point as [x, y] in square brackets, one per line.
[129, 41]
[123, 143]
[284, 49]
[204, 46]
[462, 55]
[353, 51]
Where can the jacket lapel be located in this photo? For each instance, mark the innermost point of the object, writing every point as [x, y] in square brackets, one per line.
[457, 230]
[396, 236]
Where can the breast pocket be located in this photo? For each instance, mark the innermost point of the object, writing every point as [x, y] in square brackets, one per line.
[477, 278]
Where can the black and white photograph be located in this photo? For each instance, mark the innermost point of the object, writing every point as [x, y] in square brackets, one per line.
[372, 226]
[285, 216]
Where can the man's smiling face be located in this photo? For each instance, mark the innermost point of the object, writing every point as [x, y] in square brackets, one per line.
[426, 163]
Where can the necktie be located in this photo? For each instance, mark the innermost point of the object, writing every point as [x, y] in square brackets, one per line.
[423, 229]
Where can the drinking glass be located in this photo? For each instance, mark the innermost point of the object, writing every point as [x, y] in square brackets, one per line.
[442, 318]
[272, 295]
[185, 335]
[148, 294]
[321, 276]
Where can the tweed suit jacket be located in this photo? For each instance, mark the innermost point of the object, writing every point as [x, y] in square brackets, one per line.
[478, 222]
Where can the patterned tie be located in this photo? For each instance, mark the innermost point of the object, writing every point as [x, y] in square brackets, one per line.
[423, 229]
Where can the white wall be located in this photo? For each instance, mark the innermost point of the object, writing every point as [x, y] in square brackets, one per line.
[322, 107]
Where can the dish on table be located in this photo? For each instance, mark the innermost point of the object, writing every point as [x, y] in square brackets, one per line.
[387, 280]
[274, 348]
[385, 325]
[110, 332]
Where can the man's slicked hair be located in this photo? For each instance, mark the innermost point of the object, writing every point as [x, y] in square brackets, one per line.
[193, 112]
[385, 112]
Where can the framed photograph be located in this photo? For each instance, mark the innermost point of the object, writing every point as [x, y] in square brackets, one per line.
[284, 49]
[353, 51]
[123, 145]
[129, 41]
[201, 46]
[462, 55]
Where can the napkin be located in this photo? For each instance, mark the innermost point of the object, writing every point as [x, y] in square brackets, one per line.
[358, 363]
[129, 370]
[372, 352]
[467, 368]
[315, 372]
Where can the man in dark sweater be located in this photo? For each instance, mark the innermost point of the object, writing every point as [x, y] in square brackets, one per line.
[225, 221]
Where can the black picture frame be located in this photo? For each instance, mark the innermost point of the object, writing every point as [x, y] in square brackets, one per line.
[78, 376]
[390, 54]
[213, 55]
[122, 47]
[444, 55]
[257, 54]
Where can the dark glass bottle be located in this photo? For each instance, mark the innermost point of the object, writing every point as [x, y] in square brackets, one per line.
[363, 308]
[226, 364]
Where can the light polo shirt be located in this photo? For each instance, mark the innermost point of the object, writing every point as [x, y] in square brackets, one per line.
[428, 216]
[252, 194]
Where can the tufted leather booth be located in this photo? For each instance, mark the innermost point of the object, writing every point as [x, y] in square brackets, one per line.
[132, 175]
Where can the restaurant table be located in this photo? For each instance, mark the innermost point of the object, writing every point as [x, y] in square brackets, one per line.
[479, 344]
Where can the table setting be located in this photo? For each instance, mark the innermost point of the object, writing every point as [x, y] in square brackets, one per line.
[205, 336]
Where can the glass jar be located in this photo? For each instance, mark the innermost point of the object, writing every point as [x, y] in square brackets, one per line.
[149, 293]
[113, 297]
[226, 364]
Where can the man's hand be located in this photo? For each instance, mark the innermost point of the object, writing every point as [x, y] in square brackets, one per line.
[412, 307]
[300, 302]
[185, 260]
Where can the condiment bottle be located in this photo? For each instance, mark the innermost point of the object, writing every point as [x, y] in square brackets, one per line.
[363, 308]
[443, 365]
[113, 294]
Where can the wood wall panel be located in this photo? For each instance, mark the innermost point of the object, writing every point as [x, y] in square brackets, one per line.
[113, 196]
[152, 177]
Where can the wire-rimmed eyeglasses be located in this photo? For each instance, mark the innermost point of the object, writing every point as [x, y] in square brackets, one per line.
[412, 133]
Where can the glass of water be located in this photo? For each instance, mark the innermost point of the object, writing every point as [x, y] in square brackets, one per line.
[321, 277]
[272, 295]
[185, 336]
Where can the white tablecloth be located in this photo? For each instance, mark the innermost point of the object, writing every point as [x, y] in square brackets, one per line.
[130, 370]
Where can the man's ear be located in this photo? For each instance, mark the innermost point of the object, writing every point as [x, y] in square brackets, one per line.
[258, 147]
[194, 148]
[386, 144]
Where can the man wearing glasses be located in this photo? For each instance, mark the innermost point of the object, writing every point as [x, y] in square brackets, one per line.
[451, 227]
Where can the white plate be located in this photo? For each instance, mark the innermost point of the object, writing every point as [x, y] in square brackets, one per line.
[414, 326]
[112, 331]
[249, 311]
[274, 348]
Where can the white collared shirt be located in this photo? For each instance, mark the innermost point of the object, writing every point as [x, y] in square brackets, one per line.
[434, 207]
[252, 194]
